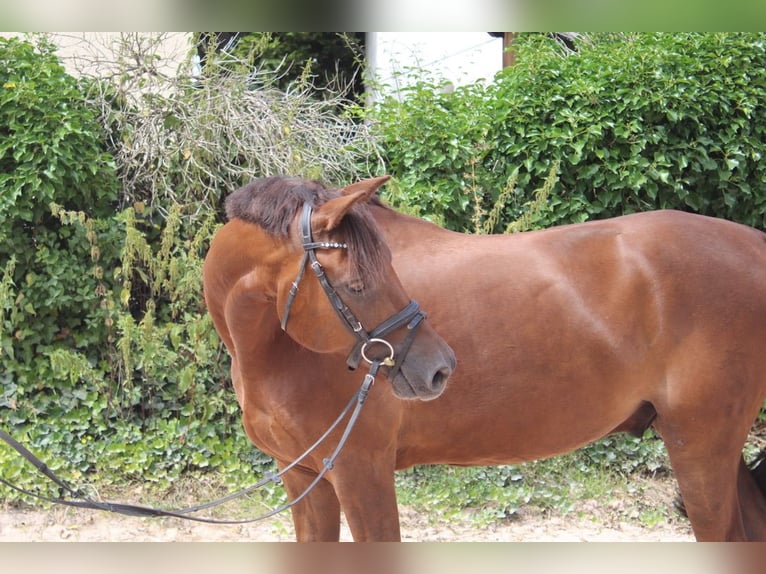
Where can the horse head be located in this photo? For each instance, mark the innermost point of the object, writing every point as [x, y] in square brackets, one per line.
[329, 273]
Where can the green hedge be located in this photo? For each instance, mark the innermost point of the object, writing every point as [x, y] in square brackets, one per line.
[51, 151]
[635, 121]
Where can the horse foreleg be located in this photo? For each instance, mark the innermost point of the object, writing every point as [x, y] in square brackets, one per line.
[317, 516]
[368, 497]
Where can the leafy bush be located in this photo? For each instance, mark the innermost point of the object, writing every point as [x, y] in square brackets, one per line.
[642, 122]
[433, 142]
[52, 145]
[636, 122]
[51, 151]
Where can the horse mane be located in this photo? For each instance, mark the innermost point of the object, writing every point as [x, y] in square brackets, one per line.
[273, 202]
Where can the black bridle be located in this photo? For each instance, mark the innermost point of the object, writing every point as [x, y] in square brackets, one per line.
[411, 315]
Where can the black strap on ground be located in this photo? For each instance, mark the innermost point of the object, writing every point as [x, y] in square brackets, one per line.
[80, 500]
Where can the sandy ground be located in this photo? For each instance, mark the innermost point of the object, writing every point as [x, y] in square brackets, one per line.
[86, 526]
[589, 521]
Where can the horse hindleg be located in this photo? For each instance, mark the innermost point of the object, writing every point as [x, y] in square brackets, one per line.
[709, 493]
[317, 516]
[705, 461]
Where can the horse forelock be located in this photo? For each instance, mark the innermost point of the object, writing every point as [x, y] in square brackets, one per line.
[273, 202]
[365, 243]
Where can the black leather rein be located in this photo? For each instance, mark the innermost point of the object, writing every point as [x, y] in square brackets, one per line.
[411, 315]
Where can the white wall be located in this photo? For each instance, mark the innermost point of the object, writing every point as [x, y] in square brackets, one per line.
[93, 53]
[456, 57]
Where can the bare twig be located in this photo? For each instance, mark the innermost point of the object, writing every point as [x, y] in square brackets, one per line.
[181, 136]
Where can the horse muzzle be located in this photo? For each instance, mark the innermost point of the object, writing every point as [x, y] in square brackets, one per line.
[424, 376]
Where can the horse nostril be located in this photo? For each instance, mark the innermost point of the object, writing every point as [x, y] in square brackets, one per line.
[440, 378]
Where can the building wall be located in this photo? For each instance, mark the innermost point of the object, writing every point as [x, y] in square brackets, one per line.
[94, 53]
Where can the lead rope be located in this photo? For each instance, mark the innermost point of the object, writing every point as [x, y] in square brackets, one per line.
[84, 501]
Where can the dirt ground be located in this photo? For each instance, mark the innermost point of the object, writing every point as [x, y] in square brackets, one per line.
[59, 525]
[589, 521]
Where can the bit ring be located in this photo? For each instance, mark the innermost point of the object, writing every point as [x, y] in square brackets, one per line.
[388, 361]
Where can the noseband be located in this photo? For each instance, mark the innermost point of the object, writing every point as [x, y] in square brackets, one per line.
[411, 315]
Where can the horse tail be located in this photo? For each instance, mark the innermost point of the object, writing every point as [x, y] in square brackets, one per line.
[758, 471]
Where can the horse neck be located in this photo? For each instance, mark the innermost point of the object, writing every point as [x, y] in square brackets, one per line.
[238, 308]
[404, 231]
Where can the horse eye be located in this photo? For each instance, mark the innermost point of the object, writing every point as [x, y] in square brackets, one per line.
[356, 286]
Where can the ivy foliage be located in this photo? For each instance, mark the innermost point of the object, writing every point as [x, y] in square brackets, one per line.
[51, 151]
[635, 121]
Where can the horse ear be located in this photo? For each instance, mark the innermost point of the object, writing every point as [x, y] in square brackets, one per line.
[370, 185]
[329, 215]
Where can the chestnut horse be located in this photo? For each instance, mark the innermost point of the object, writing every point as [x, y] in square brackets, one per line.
[562, 336]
